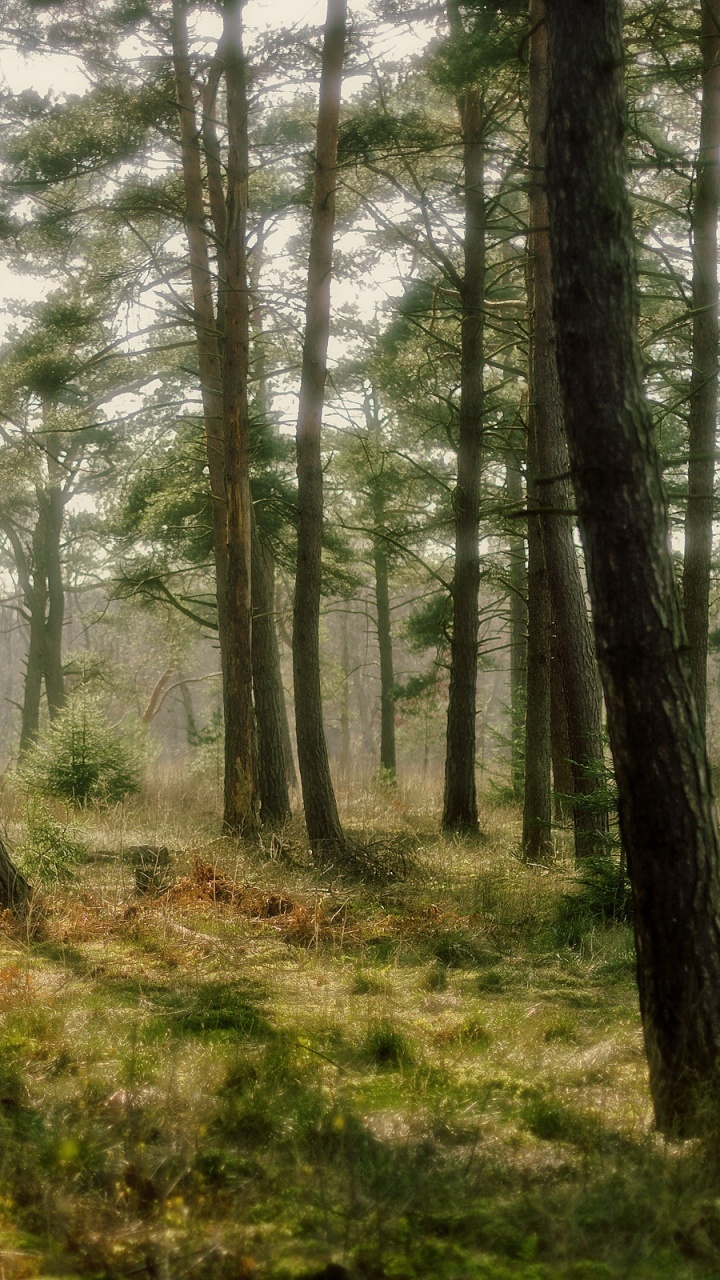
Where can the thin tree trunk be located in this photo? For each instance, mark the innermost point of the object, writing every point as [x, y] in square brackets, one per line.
[667, 816]
[575, 649]
[321, 815]
[537, 838]
[54, 502]
[345, 706]
[36, 594]
[518, 626]
[239, 809]
[704, 382]
[388, 762]
[269, 694]
[460, 811]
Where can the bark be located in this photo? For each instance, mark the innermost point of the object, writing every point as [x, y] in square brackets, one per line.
[35, 593]
[537, 839]
[206, 330]
[667, 818]
[388, 762]
[518, 629]
[704, 381]
[345, 706]
[54, 502]
[239, 815]
[15, 892]
[321, 815]
[460, 812]
[269, 694]
[562, 774]
[575, 649]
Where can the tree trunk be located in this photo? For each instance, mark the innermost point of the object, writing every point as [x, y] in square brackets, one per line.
[36, 594]
[321, 815]
[563, 783]
[704, 382]
[460, 812]
[518, 625]
[54, 503]
[206, 330]
[575, 649]
[667, 817]
[345, 706]
[15, 892]
[239, 810]
[537, 838]
[269, 694]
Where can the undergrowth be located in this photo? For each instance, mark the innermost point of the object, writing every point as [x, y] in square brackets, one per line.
[274, 1070]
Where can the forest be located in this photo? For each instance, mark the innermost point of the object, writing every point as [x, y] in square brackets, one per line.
[360, 640]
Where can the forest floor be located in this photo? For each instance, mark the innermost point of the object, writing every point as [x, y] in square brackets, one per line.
[273, 1071]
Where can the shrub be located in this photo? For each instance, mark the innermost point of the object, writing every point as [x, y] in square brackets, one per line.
[83, 757]
[50, 848]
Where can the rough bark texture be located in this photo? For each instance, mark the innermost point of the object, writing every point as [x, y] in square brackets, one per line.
[206, 331]
[15, 892]
[518, 627]
[388, 762]
[575, 650]
[537, 837]
[562, 774]
[667, 816]
[239, 814]
[269, 695]
[704, 383]
[321, 815]
[460, 812]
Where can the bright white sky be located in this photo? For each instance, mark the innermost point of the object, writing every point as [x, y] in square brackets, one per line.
[61, 76]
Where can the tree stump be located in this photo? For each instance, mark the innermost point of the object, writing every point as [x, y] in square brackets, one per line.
[152, 868]
[15, 892]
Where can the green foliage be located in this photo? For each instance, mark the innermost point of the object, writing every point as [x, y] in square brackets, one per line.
[387, 1047]
[603, 896]
[50, 849]
[83, 757]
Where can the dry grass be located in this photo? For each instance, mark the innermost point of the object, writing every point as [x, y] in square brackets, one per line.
[273, 1067]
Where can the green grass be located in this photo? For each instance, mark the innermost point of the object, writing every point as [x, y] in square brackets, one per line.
[433, 1078]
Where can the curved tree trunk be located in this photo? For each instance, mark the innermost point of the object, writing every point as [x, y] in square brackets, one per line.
[667, 817]
[321, 815]
[574, 643]
[704, 382]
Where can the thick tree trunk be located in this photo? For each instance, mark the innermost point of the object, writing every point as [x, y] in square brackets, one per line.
[518, 626]
[239, 815]
[667, 816]
[460, 812]
[269, 694]
[704, 382]
[562, 774]
[15, 892]
[537, 837]
[206, 330]
[321, 815]
[575, 649]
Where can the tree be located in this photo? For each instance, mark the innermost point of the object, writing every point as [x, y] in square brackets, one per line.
[578, 698]
[667, 817]
[702, 432]
[321, 815]
[460, 812]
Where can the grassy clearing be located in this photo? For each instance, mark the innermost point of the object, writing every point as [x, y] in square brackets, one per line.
[271, 1072]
